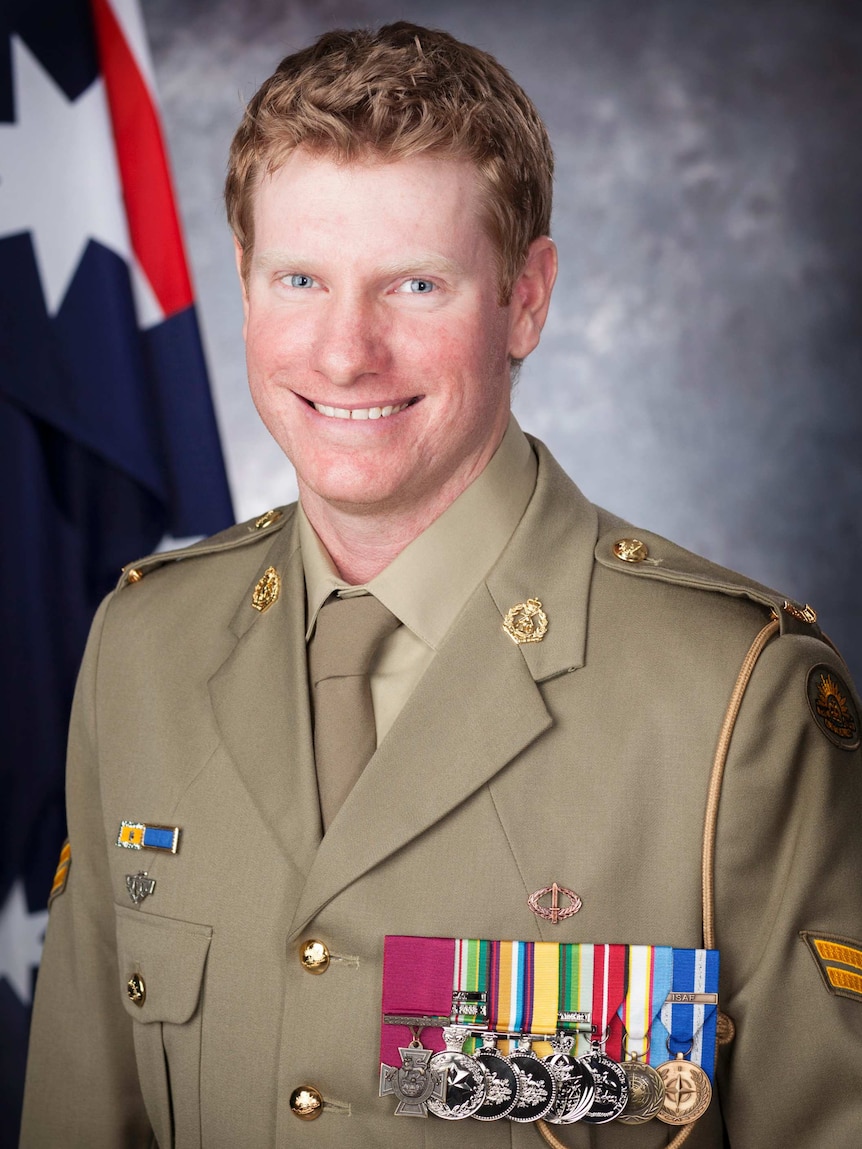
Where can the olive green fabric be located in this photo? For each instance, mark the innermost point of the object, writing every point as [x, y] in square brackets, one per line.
[583, 759]
[340, 655]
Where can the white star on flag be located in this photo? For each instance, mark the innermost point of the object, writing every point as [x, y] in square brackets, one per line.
[59, 180]
[21, 937]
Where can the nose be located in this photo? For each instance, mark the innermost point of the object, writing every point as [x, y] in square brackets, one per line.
[350, 341]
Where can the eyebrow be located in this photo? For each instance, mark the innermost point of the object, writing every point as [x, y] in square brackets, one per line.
[416, 265]
[421, 264]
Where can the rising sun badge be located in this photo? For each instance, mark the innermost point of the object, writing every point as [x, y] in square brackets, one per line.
[833, 707]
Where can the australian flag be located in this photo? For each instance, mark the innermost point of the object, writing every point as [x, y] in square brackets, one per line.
[108, 440]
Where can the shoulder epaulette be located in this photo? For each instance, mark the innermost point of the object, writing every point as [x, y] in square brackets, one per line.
[645, 555]
[240, 535]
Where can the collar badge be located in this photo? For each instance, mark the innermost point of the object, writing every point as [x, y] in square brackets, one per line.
[526, 622]
[267, 590]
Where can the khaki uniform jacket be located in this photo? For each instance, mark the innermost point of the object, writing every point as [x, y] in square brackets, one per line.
[584, 759]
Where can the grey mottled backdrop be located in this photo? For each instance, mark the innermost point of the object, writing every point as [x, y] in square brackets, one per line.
[700, 372]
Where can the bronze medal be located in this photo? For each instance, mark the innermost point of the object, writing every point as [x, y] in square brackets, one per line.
[687, 1091]
[646, 1093]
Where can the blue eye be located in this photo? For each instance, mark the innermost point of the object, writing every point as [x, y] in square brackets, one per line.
[300, 281]
[420, 286]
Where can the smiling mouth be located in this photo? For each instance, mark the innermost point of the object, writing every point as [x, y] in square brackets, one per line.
[361, 412]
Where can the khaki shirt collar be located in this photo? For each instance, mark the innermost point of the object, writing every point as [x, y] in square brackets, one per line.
[429, 582]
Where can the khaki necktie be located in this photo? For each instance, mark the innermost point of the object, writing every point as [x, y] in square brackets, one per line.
[346, 637]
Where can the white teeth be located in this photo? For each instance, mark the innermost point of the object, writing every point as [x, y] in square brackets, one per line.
[360, 412]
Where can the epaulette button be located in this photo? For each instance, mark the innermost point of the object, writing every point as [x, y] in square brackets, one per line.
[267, 520]
[631, 550]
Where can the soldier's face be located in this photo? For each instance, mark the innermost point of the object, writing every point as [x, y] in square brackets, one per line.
[378, 355]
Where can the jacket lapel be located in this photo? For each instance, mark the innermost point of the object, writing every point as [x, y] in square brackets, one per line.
[260, 699]
[478, 704]
[445, 744]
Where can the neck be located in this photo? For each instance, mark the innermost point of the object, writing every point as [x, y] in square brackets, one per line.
[362, 540]
[360, 546]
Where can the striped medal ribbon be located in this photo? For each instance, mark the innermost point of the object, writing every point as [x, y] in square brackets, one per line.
[511, 986]
[515, 983]
[692, 1018]
[576, 995]
[574, 1023]
[690, 1014]
[609, 988]
[648, 981]
[470, 979]
[523, 1000]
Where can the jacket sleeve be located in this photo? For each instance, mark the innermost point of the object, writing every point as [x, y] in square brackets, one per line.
[789, 872]
[82, 1085]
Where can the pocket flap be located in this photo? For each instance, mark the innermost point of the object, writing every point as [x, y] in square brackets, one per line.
[162, 965]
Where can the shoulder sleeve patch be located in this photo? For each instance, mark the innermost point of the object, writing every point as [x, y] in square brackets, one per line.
[832, 705]
[61, 875]
[839, 961]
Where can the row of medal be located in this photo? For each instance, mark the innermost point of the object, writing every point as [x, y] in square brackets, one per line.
[521, 1086]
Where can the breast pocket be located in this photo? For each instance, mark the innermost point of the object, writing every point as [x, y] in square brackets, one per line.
[162, 965]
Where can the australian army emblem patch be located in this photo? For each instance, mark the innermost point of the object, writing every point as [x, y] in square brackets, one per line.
[833, 707]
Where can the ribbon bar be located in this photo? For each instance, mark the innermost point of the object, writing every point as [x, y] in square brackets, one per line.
[646, 1002]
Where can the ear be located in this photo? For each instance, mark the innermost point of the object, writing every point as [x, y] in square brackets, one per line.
[531, 297]
[237, 251]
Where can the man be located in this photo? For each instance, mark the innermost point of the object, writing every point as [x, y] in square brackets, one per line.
[563, 706]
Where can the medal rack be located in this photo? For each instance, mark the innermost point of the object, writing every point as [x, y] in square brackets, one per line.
[592, 1032]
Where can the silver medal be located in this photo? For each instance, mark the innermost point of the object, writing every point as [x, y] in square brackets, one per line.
[538, 1090]
[577, 1087]
[466, 1084]
[611, 1087]
[415, 1082]
[503, 1081]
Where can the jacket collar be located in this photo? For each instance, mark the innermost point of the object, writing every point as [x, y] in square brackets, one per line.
[449, 741]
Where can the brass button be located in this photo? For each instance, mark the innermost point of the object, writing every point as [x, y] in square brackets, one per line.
[314, 956]
[725, 1029]
[306, 1103]
[136, 989]
[134, 575]
[267, 520]
[631, 550]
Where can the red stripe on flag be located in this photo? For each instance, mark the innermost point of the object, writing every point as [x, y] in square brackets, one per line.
[153, 222]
